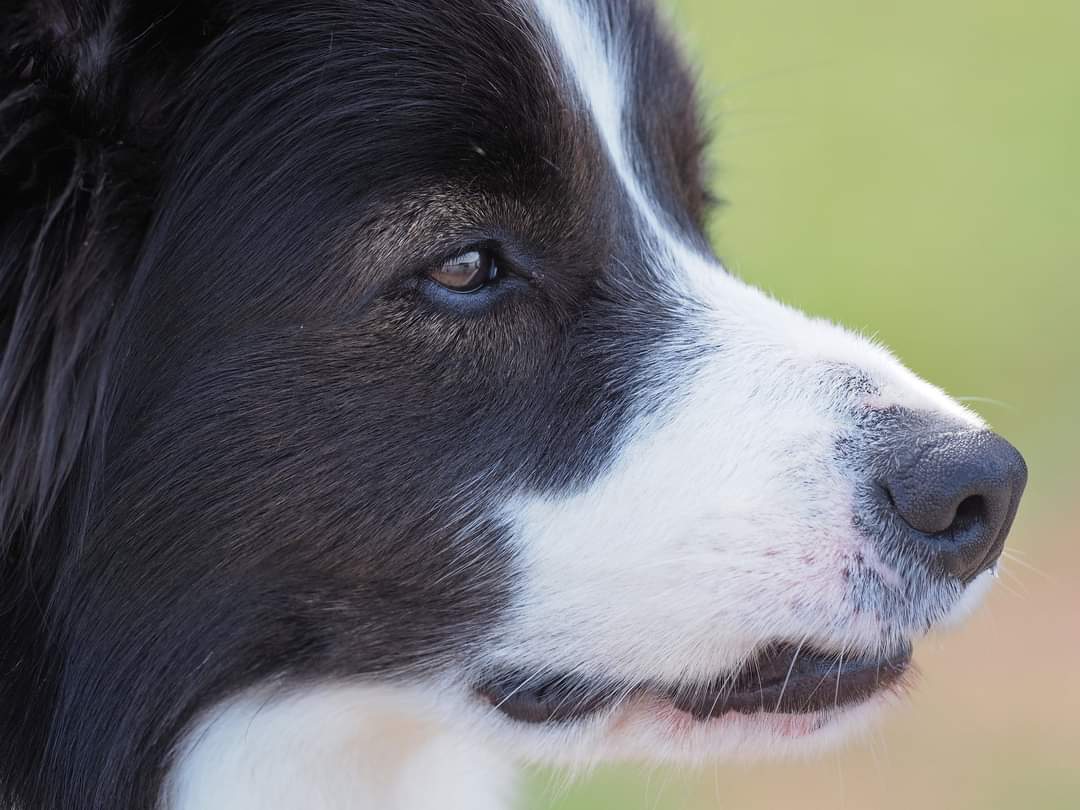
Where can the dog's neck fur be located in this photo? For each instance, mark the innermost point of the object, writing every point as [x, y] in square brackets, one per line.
[335, 748]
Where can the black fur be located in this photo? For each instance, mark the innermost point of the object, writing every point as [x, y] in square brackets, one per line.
[242, 438]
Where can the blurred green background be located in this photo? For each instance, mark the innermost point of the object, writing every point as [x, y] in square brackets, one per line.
[912, 169]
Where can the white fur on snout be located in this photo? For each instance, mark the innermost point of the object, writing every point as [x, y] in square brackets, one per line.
[703, 540]
[726, 518]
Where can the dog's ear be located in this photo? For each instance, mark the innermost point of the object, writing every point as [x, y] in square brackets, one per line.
[85, 95]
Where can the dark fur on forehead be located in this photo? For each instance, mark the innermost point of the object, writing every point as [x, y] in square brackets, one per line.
[242, 439]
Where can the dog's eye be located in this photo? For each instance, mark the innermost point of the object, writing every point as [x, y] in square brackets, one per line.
[467, 272]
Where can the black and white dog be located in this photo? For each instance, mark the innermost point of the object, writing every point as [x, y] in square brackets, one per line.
[374, 413]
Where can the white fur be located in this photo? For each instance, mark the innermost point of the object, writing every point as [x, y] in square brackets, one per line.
[971, 598]
[335, 747]
[723, 523]
[720, 524]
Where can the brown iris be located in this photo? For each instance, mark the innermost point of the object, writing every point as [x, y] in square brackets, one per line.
[466, 273]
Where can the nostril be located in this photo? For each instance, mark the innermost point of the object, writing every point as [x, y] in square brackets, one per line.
[971, 511]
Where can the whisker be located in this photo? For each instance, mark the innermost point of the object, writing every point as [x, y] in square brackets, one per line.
[1005, 570]
[1010, 590]
[585, 696]
[560, 782]
[874, 741]
[539, 672]
[988, 401]
[839, 671]
[664, 780]
[787, 677]
[761, 686]
[822, 680]
[1011, 556]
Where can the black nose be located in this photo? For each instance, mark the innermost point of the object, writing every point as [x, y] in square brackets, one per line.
[958, 493]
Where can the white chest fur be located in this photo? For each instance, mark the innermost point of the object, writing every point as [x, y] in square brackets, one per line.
[333, 748]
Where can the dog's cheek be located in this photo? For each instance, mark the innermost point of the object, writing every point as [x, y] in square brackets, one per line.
[719, 523]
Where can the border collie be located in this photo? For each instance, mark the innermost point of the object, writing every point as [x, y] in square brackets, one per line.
[374, 413]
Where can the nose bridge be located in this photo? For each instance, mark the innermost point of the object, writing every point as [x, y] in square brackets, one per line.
[823, 351]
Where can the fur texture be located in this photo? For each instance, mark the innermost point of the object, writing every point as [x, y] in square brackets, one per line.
[273, 502]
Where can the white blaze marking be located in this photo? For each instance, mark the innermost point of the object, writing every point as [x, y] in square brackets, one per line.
[601, 76]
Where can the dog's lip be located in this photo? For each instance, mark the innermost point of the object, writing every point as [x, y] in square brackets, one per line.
[787, 679]
[780, 679]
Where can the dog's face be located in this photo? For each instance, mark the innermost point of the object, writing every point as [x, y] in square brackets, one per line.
[427, 372]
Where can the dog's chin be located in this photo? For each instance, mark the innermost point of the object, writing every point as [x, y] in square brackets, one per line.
[785, 701]
[653, 731]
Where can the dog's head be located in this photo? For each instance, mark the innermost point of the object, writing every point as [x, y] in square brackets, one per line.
[371, 340]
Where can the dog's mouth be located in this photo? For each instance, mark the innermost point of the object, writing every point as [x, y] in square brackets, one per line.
[780, 679]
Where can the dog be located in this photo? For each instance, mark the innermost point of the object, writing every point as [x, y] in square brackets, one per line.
[374, 414]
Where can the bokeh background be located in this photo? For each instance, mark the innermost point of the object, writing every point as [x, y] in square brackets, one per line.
[912, 169]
